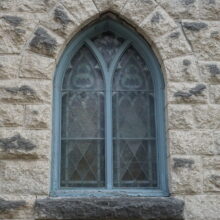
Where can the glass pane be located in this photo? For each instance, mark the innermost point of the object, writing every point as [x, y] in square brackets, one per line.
[133, 115]
[132, 73]
[84, 72]
[134, 163]
[83, 163]
[108, 44]
[83, 114]
[82, 136]
[134, 148]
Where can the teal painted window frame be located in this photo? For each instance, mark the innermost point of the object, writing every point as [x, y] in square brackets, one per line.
[153, 65]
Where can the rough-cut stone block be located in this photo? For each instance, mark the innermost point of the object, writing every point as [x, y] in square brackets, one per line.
[60, 21]
[217, 142]
[182, 69]
[109, 5]
[13, 20]
[210, 71]
[109, 208]
[202, 207]
[207, 116]
[25, 91]
[186, 176]
[6, 5]
[204, 38]
[211, 163]
[7, 205]
[187, 93]
[214, 94]
[9, 66]
[25, 144]
[21, 93]
[37, 116]
[16, 142]
[15, 31]
[173, 44]
[137, 10]
[157, 24]
[26, 5]
[24, 177]
[36, 67]
[181, 8]
[43, 42]
[16, 207]
[192, 142]
[102, 5]
[212, 180]
[11, 115]
[194, 26]
[180, 117]
[209, 9]
[82, 11]
[117, 5]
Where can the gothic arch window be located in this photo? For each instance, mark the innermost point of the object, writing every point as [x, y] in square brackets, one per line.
[108, 126]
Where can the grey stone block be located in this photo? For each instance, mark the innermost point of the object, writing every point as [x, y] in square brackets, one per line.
[138, 208]
[7, 205]
[43, 43]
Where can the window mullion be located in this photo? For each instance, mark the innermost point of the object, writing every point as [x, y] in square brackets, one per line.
[109, 120]
[109, 150]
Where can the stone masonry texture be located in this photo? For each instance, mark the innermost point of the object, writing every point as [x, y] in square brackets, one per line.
[110, 208]
[185, 36]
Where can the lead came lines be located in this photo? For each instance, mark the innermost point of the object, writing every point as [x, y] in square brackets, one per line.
[129, 88]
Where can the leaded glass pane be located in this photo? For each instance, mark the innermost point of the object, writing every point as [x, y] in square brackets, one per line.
[134, 163]
[83, 114]
[82, 163]
[108, 44]
[84, 72]
[133, 114]
[82, 136]
[132, 73]
[134, 146]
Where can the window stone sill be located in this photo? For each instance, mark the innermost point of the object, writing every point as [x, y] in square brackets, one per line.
[110, 208]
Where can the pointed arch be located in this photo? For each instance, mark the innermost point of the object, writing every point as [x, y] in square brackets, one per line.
[108, 41]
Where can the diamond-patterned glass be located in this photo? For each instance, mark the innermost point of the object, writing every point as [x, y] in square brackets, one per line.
[83, 119]
[133, 164]
[82, 162]
[134, 146]
[82, 136]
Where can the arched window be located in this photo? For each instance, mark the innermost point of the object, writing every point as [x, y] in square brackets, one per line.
[108, 126]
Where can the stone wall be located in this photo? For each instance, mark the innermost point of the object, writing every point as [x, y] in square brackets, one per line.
[185, 35]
